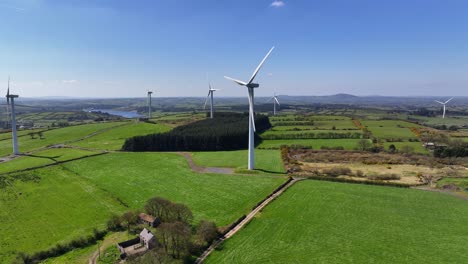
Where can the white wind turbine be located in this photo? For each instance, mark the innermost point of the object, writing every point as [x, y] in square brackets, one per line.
[149, 103]
[444, 103]
[250, 87]
[275, 101]
[11, 98]
[210, 94]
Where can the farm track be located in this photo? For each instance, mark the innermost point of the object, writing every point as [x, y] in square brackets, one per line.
[246, 220]
[200, 169]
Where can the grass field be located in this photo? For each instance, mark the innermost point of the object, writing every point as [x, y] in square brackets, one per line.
[55, 136]
[140, 176]
[113, 139]
[72, 198]
[313, 143]
[324, 222]
[266, 160]
[60, 206]
[43, 157]
[315, 132]
[20, 133]
[390, 128]
[460, 182]
[417, 146]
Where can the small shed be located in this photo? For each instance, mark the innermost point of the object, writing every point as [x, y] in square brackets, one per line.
[149, 220]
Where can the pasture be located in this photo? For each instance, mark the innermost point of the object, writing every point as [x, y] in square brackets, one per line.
[416, 146]
[325, 222]
[390, 129]
[55, 136]
[46, 206]
[113, 139]
[348, 144]
[65, 201]
[43, 157]
[265, 160]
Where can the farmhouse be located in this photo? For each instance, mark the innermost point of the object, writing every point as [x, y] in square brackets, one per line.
[149, 220]
[147, 239]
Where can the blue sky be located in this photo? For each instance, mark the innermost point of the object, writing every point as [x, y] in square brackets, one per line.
[113, 48]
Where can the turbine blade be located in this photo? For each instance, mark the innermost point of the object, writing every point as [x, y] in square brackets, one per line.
[236, 81]
[448, 100]
[259, 66]
[439, 102]
[277, 101]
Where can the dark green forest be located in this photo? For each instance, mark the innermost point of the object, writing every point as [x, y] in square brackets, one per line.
[227, 131]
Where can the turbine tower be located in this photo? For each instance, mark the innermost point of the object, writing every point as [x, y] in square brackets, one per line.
[444, 103]
[250, 87]
[210, 94]
[11, 101]
[275, 101]
[149, 103]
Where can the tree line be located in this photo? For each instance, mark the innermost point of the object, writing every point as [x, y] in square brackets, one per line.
[227, 131]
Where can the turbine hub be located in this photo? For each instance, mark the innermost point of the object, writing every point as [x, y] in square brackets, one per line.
[253, 85]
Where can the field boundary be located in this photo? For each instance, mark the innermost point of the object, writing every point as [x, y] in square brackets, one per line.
[246, 219]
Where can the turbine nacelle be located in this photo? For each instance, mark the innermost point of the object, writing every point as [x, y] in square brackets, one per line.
[253, 85]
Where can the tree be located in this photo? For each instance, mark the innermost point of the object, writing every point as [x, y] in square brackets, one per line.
[158, 207]
[39, 134]
[207, 232]
[31, 135]
[180, 212]
[392, 148]
[129, 218]
[180, 235]
[363, 145]
[114, 223]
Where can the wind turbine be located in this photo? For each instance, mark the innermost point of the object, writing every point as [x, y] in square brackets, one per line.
[149, 103]
[11, 97]
[275, 101]
[444, 103]
[210, 94]
[250, 87]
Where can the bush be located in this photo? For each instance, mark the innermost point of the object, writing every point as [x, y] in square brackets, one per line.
[384, 177]
[337, 171]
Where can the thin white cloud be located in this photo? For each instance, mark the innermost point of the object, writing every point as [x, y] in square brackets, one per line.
[69, 81]
[277, 3]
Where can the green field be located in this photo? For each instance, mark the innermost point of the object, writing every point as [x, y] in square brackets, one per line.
[60, 206]
[139, 176]
[448, 120]
[113, 139]
[390, 129]
[324, 222]
[55, 136]
[266, 160]
[417, 146]
[44, 157]
[20, 133]
[315, 132]
[70, 199]
[313, 143]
